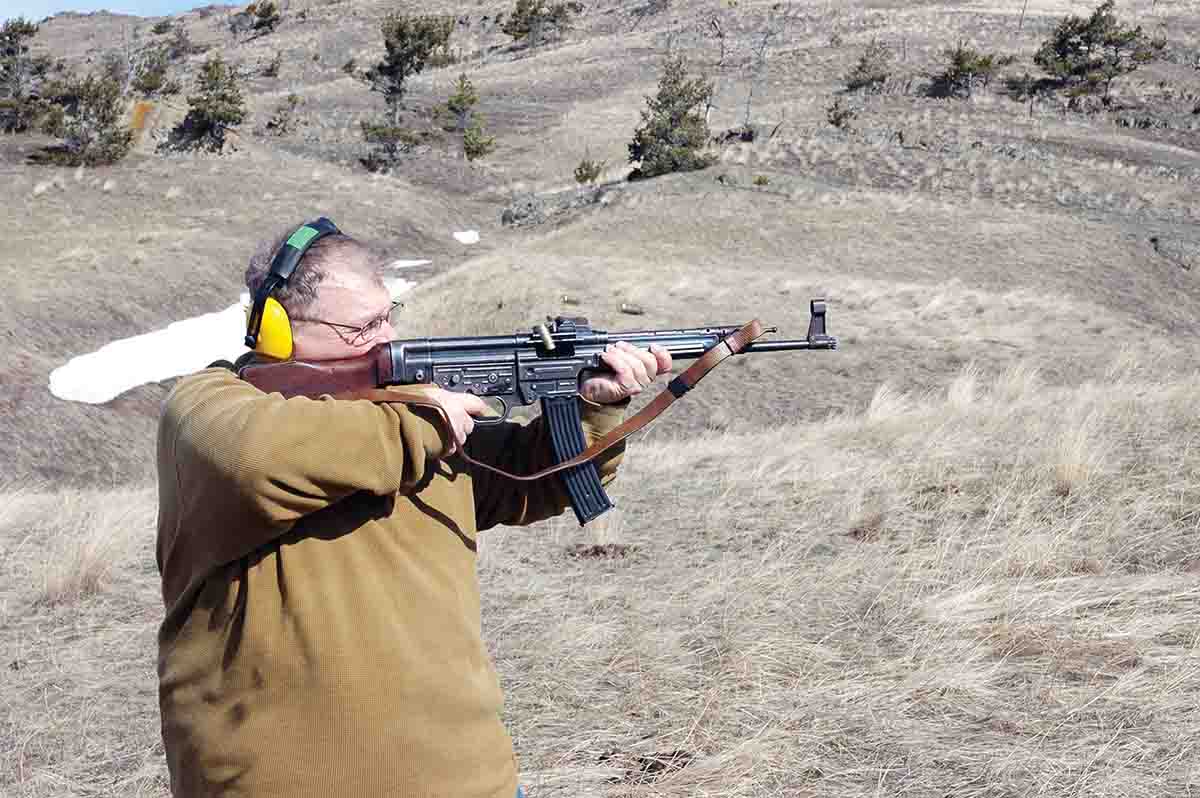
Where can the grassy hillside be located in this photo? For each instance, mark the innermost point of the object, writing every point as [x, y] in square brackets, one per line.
[1046, 234]
[957, 556]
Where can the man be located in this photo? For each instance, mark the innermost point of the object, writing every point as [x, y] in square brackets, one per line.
[322, 627]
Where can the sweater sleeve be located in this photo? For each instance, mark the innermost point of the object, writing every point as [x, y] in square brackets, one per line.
[524, 448]
[246, 465]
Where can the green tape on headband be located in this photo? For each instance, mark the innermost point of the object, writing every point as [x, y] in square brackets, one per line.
[301, 237]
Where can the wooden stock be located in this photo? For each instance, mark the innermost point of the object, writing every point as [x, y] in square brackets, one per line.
[313, 379]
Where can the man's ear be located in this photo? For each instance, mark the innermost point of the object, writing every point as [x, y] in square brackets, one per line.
[275, 334]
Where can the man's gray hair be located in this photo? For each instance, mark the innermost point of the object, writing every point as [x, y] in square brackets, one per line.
[327, 255]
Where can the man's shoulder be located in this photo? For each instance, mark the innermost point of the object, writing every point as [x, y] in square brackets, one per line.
[208, 380]
[214, 385]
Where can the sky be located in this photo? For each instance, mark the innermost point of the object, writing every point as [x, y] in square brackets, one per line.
[37, 9]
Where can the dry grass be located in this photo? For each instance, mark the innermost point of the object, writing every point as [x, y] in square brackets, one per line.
[78, 599]
[902, 600]
[899, 602]
[81, 536]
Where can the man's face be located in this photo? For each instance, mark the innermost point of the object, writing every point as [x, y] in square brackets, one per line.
[348, 298]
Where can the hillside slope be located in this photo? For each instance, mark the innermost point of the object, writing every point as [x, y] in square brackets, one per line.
[931, 255]
[941, 231]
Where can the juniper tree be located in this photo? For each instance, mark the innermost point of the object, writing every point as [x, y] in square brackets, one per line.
[216, 107]
[476, 143]
[390, 142]
[86, 115]
[266, 16]
[257, 19]
[181, 44]
[150, 75]
[1085, 54]
[673, 132]
[15, 61]
[535, 20]
[408, 42]
[1026, 88]
[964, 69]
[589, 170]
[18, 74]
[460, 105]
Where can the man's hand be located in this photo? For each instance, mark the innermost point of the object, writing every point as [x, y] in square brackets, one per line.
[633, 370]
[462, 409]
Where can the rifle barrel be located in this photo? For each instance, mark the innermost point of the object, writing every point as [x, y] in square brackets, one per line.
[691, 347]
[784, 346]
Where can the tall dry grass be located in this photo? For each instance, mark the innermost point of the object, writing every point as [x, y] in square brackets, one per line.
[73, 541]
[985, 591]
[902, 601]
[78, 599]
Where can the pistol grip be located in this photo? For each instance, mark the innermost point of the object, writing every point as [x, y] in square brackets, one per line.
[582, 482]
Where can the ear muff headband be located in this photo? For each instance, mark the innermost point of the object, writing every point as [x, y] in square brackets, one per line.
[285, 262]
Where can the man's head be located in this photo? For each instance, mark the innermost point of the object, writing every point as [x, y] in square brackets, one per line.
[336, 299]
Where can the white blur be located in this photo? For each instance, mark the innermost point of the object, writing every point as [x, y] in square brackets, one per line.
[182, 347]
[467, 237]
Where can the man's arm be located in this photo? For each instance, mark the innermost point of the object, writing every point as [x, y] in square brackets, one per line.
[525, 449]
[238, 467]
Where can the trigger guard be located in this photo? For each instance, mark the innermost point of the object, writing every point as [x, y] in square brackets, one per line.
[506, 408]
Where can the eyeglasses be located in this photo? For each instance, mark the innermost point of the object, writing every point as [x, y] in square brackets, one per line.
[356, 335]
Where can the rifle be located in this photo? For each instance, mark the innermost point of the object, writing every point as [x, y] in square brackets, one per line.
[543, 366]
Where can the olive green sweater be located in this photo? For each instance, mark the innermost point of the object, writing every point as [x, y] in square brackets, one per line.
[322, 628]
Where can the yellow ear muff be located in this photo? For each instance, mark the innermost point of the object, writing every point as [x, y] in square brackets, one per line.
[275, 334]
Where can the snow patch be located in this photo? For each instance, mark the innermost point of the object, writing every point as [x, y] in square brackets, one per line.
[182, 347]
[398, 285]
[406, 264]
